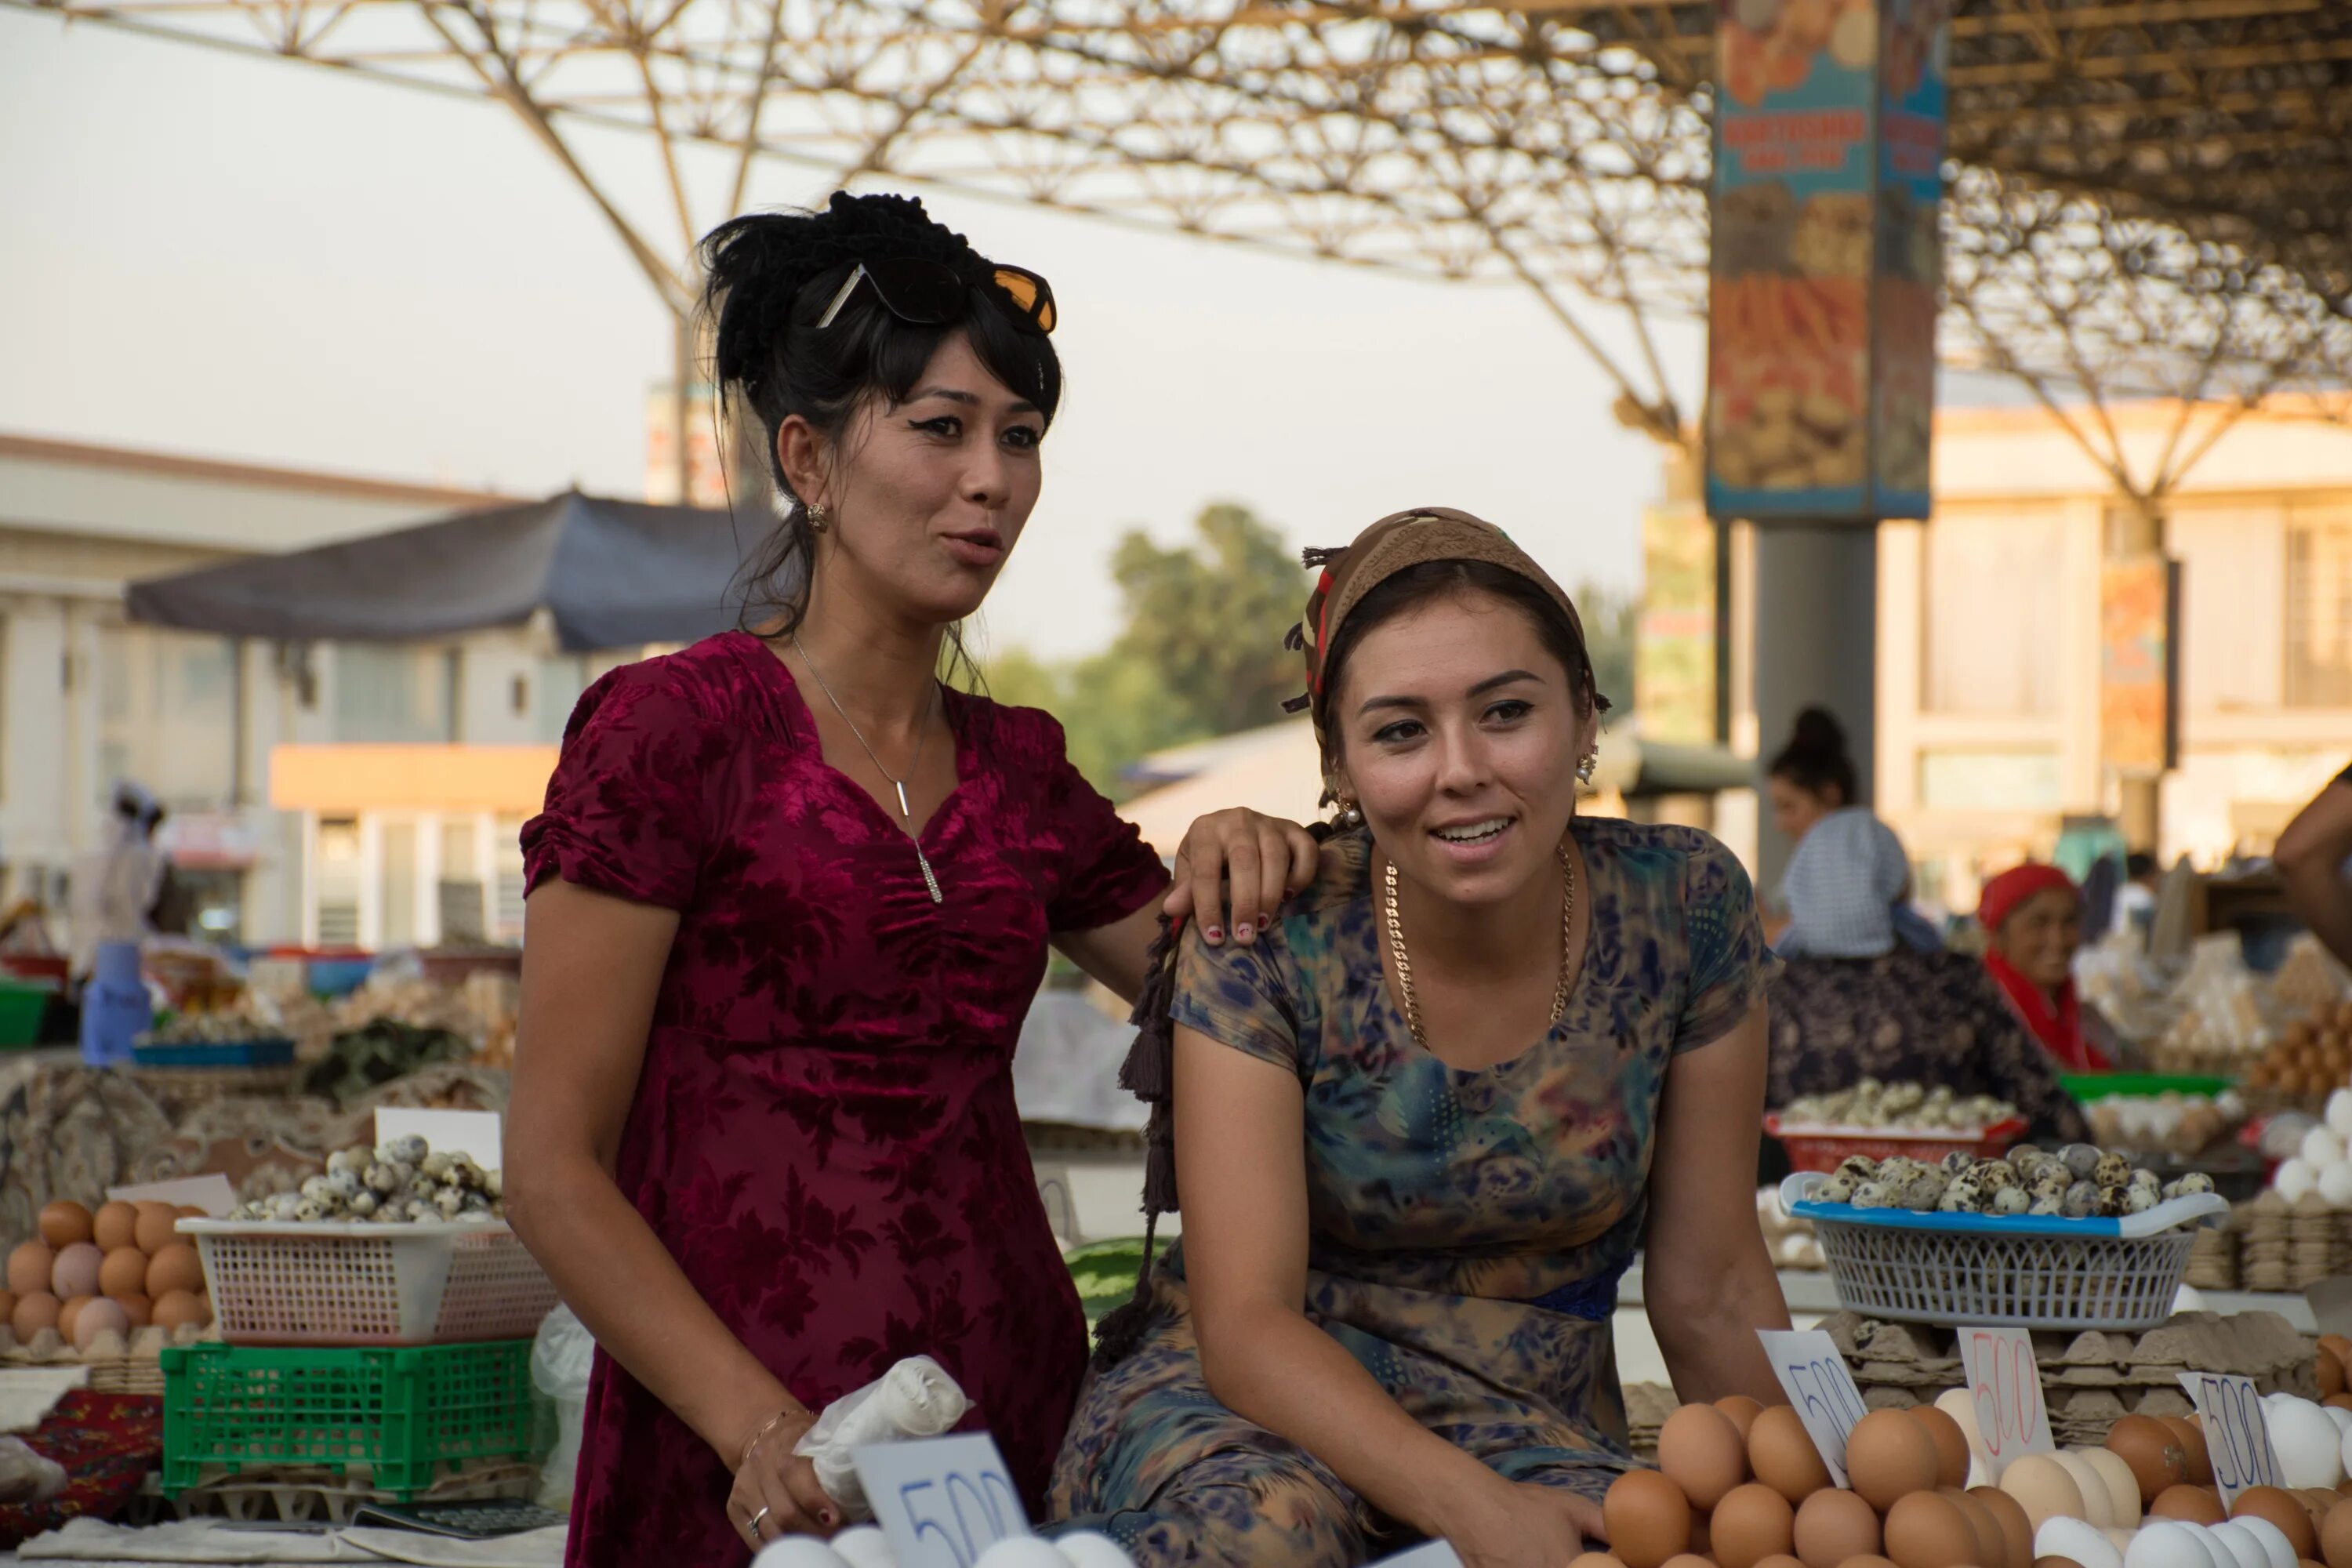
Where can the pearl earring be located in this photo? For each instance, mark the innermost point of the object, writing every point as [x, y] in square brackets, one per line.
[815, 516]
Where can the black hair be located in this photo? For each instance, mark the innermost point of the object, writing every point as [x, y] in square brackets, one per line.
[1414, 586]
[2137, 864]
[1816, 759]
[769, 277]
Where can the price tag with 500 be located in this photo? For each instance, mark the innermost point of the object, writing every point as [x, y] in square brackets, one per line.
[2005, 1382]
[942, 1501]
[2235, 1433]
[1815, 1378]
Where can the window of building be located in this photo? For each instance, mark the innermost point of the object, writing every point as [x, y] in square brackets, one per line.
[556, 692]
[462, 901]
[1993, 591]
[2233, 580]
[167, 714]
[337, 881]
[2319, 621]
[1989, 781]
[397, 886]
[391, 693]
[507, 841]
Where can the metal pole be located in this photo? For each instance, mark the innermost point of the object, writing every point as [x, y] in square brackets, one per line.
[1816, 645]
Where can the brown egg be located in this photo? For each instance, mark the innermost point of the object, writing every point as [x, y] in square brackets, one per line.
[1752, 1522]
[1688, 1560]
[2192, 1449]
[176, 1267]
[1782, 1453]
[1888, 1457]
[65, 1223]
[1926, 1530]
[2341, 1346]
[1872, 1560]
[2193, 1505]
[2336, 1536]
[190, 1211]
[179, 1309]
[137, 1307]
[35, 1311]
[1833, 1526]
[2017, 1535]
[2331, 1373]
[30, 1267]
[115, 1227]
[2319, 1500]
[99, 1317]
[2152, 1451]
[156, 1228]
[2055, 1562]
[1951, 1446]
[1779, 1562]
[1992, 1546]
[2044, 1488]
[7, 1306]
[125, 1272]
[2287, 1512]
[1742, 1410]
[70, 1316]
[1596, 1560]
[1701, 1452]
[1647, 1516]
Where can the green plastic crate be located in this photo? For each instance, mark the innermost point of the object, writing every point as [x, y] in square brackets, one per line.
[2090, 1086]
[399, 1414]
[22, 1008]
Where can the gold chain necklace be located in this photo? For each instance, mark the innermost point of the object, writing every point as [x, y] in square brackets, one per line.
[1404, 960]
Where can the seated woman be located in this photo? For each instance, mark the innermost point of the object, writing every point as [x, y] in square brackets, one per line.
[1811, 779]
[1429, 1118]
[1855, 1002]
[2032, 917]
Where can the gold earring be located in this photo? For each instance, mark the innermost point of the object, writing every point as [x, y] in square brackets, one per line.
[1351, 817]
[815, 516]
[1584, 769]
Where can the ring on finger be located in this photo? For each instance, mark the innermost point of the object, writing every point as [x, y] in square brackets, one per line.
[752, 1526]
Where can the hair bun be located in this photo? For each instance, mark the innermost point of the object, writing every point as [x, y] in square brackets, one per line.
[1818, 734]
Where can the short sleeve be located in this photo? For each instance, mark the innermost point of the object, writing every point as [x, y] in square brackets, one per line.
[1238, 996]
[1109, 872]
[629, 807]
[1730, 967]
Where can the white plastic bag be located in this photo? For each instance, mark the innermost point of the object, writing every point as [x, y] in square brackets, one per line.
[916, 1399]
[561, 1359]
[25, 1476]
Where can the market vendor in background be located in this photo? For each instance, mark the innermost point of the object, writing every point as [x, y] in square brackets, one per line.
[2311, 856]
[1810, 780]
[2032, 919]
[1423, 1126]
[790, 898]
[1855, 1002]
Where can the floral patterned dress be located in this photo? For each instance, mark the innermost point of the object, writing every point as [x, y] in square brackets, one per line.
[824, 1134]
[1467, 1229]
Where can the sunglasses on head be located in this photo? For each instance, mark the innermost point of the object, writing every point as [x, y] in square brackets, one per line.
[931, 294]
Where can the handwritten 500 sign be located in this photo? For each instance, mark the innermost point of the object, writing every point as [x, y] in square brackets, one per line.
[1815, 1378]
[941, 1501]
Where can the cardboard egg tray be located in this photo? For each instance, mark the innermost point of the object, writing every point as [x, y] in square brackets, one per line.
[2090, 1380]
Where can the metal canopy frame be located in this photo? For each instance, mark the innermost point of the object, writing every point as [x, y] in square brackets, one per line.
[2151, 197]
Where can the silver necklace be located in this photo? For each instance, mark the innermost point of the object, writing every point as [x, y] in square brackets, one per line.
[906, 812]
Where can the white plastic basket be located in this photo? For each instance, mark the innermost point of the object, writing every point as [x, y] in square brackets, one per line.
[2020, 1271]
[348, 1284]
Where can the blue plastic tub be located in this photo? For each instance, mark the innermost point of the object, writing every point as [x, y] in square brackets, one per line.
[262, 1053]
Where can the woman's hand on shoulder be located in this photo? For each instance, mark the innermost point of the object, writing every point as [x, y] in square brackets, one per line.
[1263, 859]
[1518, 1524]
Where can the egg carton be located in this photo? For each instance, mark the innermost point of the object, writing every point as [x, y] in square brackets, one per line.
[294, 1496]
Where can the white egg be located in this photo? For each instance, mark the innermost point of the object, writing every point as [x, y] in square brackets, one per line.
[2339, 1114]
[2344, 1451]
[2169, 1543]
[1023, 1552]
[2122, 1538]
[2077, 1542]
[865, 1546]
[2274, 1540]
[2336, 1184]
[2310, 1449]
[2098, 1502]
[1084, 1549]
[1962, 1407]
[2343, 1419]
[2321, 1147]
[798, 1552]
[2240, 1544]
[2123, 1489]
[2296, 1180]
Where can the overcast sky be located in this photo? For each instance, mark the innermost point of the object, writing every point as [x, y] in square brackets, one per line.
[239, 258]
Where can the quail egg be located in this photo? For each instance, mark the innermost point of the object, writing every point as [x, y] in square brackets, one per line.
[2010, 1201]
[1874, 1196]
[1836, 1190]
[2111, 1171]
[2081, 1159]
[2082, 1201]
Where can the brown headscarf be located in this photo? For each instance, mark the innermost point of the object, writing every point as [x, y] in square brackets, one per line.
[1398, 542]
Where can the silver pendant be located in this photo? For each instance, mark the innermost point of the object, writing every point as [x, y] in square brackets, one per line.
[930, 881]
[904, 809]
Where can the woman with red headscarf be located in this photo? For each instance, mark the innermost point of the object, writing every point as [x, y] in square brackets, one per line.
[2033, 915]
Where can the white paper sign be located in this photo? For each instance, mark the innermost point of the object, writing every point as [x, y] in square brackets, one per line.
[1814, 1374]
[2236, 1437]
[1436, 1554]
[211, 1194]
[2006, 1383]
[473, 1133]
[942, 1501]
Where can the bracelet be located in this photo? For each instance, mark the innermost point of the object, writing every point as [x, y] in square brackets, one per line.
[770, 1425]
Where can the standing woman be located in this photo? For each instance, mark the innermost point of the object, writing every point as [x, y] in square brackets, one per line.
[790, 898]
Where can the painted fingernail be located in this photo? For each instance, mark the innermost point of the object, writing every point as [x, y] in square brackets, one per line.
[1264, 921]
[1214, 933]
[828, 1519]
[1243, 931]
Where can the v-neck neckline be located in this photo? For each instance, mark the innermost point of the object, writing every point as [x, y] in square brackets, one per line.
[800, 722]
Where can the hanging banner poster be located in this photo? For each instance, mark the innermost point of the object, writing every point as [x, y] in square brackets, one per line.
[1828, 132]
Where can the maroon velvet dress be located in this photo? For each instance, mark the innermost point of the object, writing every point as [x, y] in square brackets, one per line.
[824, 1134]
